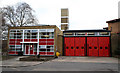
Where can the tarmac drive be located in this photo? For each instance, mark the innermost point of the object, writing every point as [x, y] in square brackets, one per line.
[72, 64]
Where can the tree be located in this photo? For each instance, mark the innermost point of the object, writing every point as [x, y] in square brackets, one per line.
[19, 15]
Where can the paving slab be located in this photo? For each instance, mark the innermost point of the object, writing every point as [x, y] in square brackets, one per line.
[16, 63]
[87, 59]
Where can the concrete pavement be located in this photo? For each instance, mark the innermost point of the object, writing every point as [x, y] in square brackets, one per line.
[64, 63]
[16, 63]
[87, 59]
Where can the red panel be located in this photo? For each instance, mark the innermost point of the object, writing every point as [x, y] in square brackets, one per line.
[95, 43]
[89, 46]
[42, 42]
[72, 48]
[12, 39]
[66, 46]
[50, 43]
[77, 46]
[35, 52]
[50, 39]
[106, 46]
[101, 46]
[42, 53]
[12, 52]
[50, 53]
[18, 43]
[34, 40]
[27, 48]
[26, 40]
[12, 42]
[42, 39]
[19, 40]
[82, 46]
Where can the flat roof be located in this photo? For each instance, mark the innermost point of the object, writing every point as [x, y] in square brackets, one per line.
[34, 27]
[114, 20]
[86, 31]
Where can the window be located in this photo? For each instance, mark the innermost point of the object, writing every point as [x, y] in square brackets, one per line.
[42, 50]
[67, 47]
[90, 48]
[91, 33]
[68, 33]
[82, 33]
[95, 47]
[18, 47]
[104, 33]
[47, 33]
[82, 47]
[31, 34]
[71, 47]
[106, 48]
[77, 47]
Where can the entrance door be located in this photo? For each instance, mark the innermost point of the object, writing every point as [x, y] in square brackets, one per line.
[29, 49]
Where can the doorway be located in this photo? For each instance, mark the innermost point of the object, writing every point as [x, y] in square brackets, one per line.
[30, 49]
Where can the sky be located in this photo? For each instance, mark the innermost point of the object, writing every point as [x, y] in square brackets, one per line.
[83, 14]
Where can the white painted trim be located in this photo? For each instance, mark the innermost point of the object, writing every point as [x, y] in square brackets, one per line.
[38, 43]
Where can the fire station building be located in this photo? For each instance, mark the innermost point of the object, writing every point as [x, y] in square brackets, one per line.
[33, 40]
[46, 41]
[87, 43]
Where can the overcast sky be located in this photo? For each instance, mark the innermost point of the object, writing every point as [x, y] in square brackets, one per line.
[83, 14]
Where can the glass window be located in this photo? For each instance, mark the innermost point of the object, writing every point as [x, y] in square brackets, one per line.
[12, 30]
[68, 33]
[104, 33]
[71, 47]
[90, 48]
[91, 33]
[50, 46]
[82, 47]
[67, 47]
[12, 46]
[42, 50]
[82, 33]
[106, 48]
[95, 47]
[77, 47]
[42, 46]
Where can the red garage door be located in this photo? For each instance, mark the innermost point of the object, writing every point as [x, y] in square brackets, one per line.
[77, 46]
[104, 46]
[92, 46]
[74, 46]
[66, 46]
[89, 46]
[82, 46]
[96, 46]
